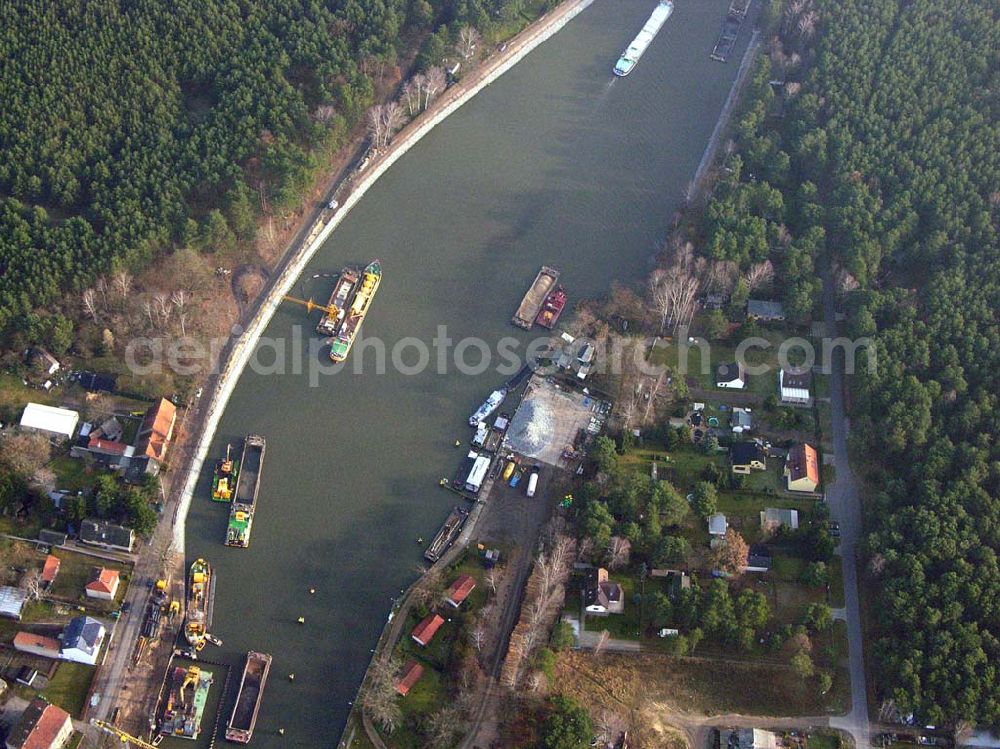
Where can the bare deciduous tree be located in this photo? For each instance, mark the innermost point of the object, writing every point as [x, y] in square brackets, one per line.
[102, 288]
[44, 477]
[325, 113]
[378, 697]
[410, 95]
[492, 578]
[468, 38]
[23, 452]
[434, 82]
[90, 303]
[619, 551]
[758, 275]
[123, 283]
[163, 309]
[445, 726]
[33, 585]
[376, 124]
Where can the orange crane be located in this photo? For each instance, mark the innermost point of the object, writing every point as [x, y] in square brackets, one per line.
[310, 305]
[124, 738]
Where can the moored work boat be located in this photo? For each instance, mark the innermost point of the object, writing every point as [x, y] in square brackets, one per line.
[248, 699]
[331, 321]
[630, 57]
[201, 584]
[340, 346]
[552, 308]
[186, 700]
[247, 486]
[490, 405]
[224, 479]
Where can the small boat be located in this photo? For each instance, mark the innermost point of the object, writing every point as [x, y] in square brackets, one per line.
[199, 599]
[548, 316]
[330, 323]
[224, 478]
[490, 405]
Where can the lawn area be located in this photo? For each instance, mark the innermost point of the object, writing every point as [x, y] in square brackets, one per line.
[682, 468]
[73, 475]
[74, 572]
[836, 582]
[742, 510]
[425, 698]
[68, 688]
[624, 626]
[825, 425]
[14, 394]
[824, 740]
[769, 481]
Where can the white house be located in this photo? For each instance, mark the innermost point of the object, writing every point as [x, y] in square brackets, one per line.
[794, 386]
[82, 640]
[41, 726]
[103, 584]
[60, 422]
[731, 376]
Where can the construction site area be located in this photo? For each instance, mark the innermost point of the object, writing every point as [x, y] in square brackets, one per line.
[554, 424]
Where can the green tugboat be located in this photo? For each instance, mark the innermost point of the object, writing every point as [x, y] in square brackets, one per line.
[245, 496]
[227, 471]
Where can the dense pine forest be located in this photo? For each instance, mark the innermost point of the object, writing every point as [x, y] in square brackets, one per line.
[870, 139]
[130, 128]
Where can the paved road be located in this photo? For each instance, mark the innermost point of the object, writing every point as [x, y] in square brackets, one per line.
[845, 508]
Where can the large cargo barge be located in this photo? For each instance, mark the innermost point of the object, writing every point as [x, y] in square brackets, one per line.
[224, 478]
[535, 297]
[630, 57]
[248, 699]
[198, 615]
[552, 308]
[340, 346]
[331, 321]
[247, 487]
[185, 705]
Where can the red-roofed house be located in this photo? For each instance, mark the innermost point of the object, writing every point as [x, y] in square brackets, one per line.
[802, 468]
[103, 584]
[424, 632]
[50, 569]
[42, 726]
[460, 589]
[409, 676]
[27, 642]
[156, 431]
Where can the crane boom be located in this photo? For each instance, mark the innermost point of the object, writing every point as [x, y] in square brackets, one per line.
[310, 305]
[125, 738]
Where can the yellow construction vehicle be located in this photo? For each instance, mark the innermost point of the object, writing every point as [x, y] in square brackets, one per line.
[310, 305]
[125, 738]
[174, 610]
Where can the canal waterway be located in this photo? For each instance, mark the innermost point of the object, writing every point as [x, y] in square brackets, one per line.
[556, 163]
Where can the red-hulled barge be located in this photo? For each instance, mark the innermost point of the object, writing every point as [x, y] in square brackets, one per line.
[548, 316]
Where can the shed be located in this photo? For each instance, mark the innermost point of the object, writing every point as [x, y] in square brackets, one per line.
[774, 517]
[12, 602]
[763, 309]
[60, 422]
[424, 632]
[460, 590]
[28, 642]
[717, 524]
[409, 676]
[50, 569]
[52, 538]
